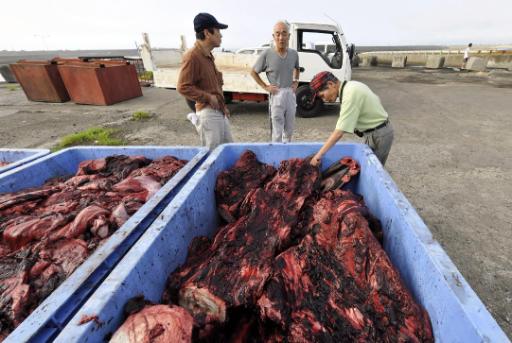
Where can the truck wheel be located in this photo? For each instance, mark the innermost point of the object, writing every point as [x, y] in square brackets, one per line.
[306, 106]
[191, 104]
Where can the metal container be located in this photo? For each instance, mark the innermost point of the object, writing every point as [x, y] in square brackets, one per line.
[6, 73]
[100, 83]
[40, 80]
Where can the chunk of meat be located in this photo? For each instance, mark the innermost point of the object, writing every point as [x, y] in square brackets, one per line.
[84, 220]
[155, 324]
[161, 169]
[338, 283]
[118, 165]
[145, 185]
[14, 292]
[119, 215]
[11, 199]
[234, 184]
[238, 263]
[18, 235]
[339, 174]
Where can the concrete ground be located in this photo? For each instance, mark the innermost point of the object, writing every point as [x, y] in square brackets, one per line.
[451, 156]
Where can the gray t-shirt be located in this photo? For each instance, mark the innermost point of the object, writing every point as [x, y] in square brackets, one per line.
[279, 70]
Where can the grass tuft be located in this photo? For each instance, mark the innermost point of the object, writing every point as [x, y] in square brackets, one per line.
[92, 136]
[141, 115]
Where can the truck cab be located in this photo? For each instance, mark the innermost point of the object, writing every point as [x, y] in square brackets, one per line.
[321, 47]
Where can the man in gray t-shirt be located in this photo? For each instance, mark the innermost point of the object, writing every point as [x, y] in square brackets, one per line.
[281, 64]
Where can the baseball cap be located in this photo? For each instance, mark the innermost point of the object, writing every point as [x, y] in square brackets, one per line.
[319, 81]
[206, 20]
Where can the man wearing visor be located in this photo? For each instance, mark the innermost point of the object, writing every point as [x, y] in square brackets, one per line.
[361, 113]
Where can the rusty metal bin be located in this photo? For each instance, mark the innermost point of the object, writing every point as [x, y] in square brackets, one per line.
[40, 80]
[6, 73]
[100, 83]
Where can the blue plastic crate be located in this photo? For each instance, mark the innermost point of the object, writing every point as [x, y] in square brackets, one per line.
[18, 157]
[456, 312]
[54, 312]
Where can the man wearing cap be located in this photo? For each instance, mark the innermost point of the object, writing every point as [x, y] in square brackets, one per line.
[361, 113]
[199, 80]
[281, 65]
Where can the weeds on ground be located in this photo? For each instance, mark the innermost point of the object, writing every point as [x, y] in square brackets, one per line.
[92, 136]
[141, 115]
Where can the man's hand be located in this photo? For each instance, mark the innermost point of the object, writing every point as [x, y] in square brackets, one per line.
[295, 84]
[227, 114]
[214, 102]
[272, 89]
[315, 161]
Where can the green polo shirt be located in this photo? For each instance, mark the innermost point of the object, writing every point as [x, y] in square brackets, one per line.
[360, 108]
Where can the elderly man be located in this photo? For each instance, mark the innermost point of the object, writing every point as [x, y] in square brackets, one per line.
[281, 65]
[199, 80]
[361, 113]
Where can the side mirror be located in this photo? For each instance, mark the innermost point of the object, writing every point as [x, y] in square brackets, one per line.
[351, 51]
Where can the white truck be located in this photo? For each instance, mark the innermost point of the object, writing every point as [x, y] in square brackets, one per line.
[238, 83]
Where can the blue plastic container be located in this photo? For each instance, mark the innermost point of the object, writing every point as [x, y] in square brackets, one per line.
[456, 312]
[18, 157]
[54, 312]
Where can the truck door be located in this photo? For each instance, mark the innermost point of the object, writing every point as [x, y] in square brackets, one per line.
[316, 56]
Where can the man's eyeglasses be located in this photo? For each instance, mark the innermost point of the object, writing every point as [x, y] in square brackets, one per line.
[279, 34]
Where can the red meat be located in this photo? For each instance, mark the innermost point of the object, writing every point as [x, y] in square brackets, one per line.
[156, 324]
[47, 232]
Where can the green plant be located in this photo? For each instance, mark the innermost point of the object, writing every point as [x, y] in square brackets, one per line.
[12, 87]
[92, 136]
[141, 115]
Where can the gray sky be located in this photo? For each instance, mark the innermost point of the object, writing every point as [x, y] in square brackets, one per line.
[95, 24]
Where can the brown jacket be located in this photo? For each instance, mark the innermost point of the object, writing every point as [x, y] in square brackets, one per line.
[199, 78]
